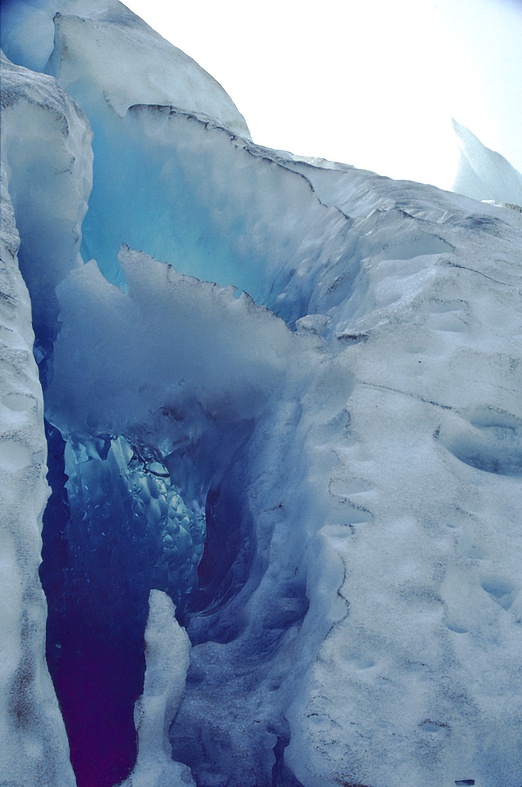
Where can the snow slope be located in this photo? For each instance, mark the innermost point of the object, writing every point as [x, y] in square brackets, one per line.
[323, 472]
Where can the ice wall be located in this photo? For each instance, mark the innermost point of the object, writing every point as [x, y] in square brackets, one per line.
[46, 165]
[84, 43]
[115, 53]
[34, 745]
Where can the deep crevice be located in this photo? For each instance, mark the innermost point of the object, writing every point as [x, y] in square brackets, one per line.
[114, 528]
[97, 668]
[282, 776]
[227, 556]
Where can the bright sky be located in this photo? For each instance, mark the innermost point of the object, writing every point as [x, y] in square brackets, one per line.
[372, 83]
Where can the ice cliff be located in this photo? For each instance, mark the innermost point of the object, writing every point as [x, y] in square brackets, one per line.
[279, 403]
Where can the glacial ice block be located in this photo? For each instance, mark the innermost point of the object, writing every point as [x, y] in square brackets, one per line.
[103, 47]
[174, 353]
[99, 51]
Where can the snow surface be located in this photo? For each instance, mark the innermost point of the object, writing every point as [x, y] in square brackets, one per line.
[347, 437]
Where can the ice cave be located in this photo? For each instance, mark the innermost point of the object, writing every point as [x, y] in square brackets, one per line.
[261, 439]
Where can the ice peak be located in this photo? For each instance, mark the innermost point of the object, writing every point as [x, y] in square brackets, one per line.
[119, 54]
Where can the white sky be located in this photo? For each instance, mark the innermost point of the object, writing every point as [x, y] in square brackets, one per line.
[373, 83]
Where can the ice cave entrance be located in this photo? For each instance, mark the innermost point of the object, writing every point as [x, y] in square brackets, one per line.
[115, 527]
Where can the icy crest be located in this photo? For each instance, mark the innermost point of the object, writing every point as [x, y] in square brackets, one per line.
[104, 48]
[483, 173]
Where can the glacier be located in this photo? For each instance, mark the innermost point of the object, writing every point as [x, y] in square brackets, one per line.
[277, 401]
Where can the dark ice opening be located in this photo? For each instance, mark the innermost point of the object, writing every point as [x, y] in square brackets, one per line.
[95, 632]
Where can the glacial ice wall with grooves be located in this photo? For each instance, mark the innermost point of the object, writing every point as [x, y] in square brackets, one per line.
[322, 472]
[34, 745]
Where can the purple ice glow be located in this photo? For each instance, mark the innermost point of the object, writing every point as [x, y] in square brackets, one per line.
[97, 685]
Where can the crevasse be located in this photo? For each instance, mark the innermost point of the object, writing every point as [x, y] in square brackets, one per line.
[120, 529]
